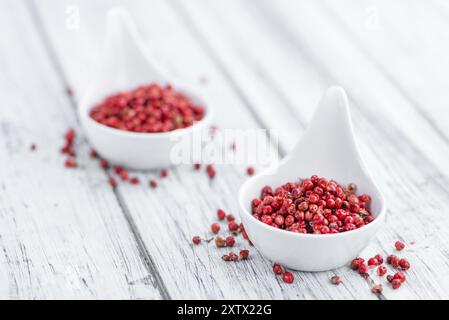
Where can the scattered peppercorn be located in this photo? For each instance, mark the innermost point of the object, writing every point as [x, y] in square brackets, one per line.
[396, 283]
[196, 240]
[363, 268]
[153, 184]
[230, 217]
[112, 182]
[149, 108]
[389, 278]
[288, 277]
[250, 171]
[221, 214]
[210, 171]
[230, 241]
[379, 259]
[399, 245]
[164, 173]
[377, 289]
[104, 164]
[219, 242]
[381, 270]
[215, 228]
[70, 162]
[197, 166]
[372, 262]
[400, 276]
[233, 256]
[404, 264]
[134, 180]
[336, 280]
[355, 264]
[244, 254]
[33, 147]
[277, 269]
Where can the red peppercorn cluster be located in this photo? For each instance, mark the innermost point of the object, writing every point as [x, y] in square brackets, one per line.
[149, 108]
[396, 280]
[314, 205]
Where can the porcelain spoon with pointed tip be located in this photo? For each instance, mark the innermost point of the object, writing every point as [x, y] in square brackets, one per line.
[124, 65]
[327, 149]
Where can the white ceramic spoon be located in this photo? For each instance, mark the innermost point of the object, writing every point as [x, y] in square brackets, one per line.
[327, 149]
[125, 65]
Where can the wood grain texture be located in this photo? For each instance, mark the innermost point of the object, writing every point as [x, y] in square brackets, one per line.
[396, 173]
[263, 65]
[62, 232]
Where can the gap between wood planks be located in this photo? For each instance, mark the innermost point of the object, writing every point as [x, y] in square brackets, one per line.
[143, 251]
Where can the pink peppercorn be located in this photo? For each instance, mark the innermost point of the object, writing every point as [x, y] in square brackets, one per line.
[288, 277]
[230, 217]
[230, 241]
[221, 214]
[382, 270]
[220, 242]
[104, 164]
[197, 166]
[233, 227]
[396, 283]
[244, 254]
[355, 264]
[148, 108]
[250, 171]
[336, 280]
[404, 264]
[210, 171]
[277, 269]
[70, 162]
[372, 262]
[215, 228]
[233, 256]
[400, 276]
[377, 289]
[112, 182]
[134, 180]
[363, 268]
[399, 245]
[164, 173]
[153, 184]
[196, 240]
[379, 259]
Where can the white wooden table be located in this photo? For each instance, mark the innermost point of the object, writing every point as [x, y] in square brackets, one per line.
[67, 234]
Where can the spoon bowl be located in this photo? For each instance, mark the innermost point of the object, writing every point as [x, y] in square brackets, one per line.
[125, 65]
[327, 149]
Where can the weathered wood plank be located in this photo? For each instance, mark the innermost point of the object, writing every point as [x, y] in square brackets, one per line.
[395, 155]
[62, 232]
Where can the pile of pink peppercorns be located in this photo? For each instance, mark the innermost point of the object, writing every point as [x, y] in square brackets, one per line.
[314, 205]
